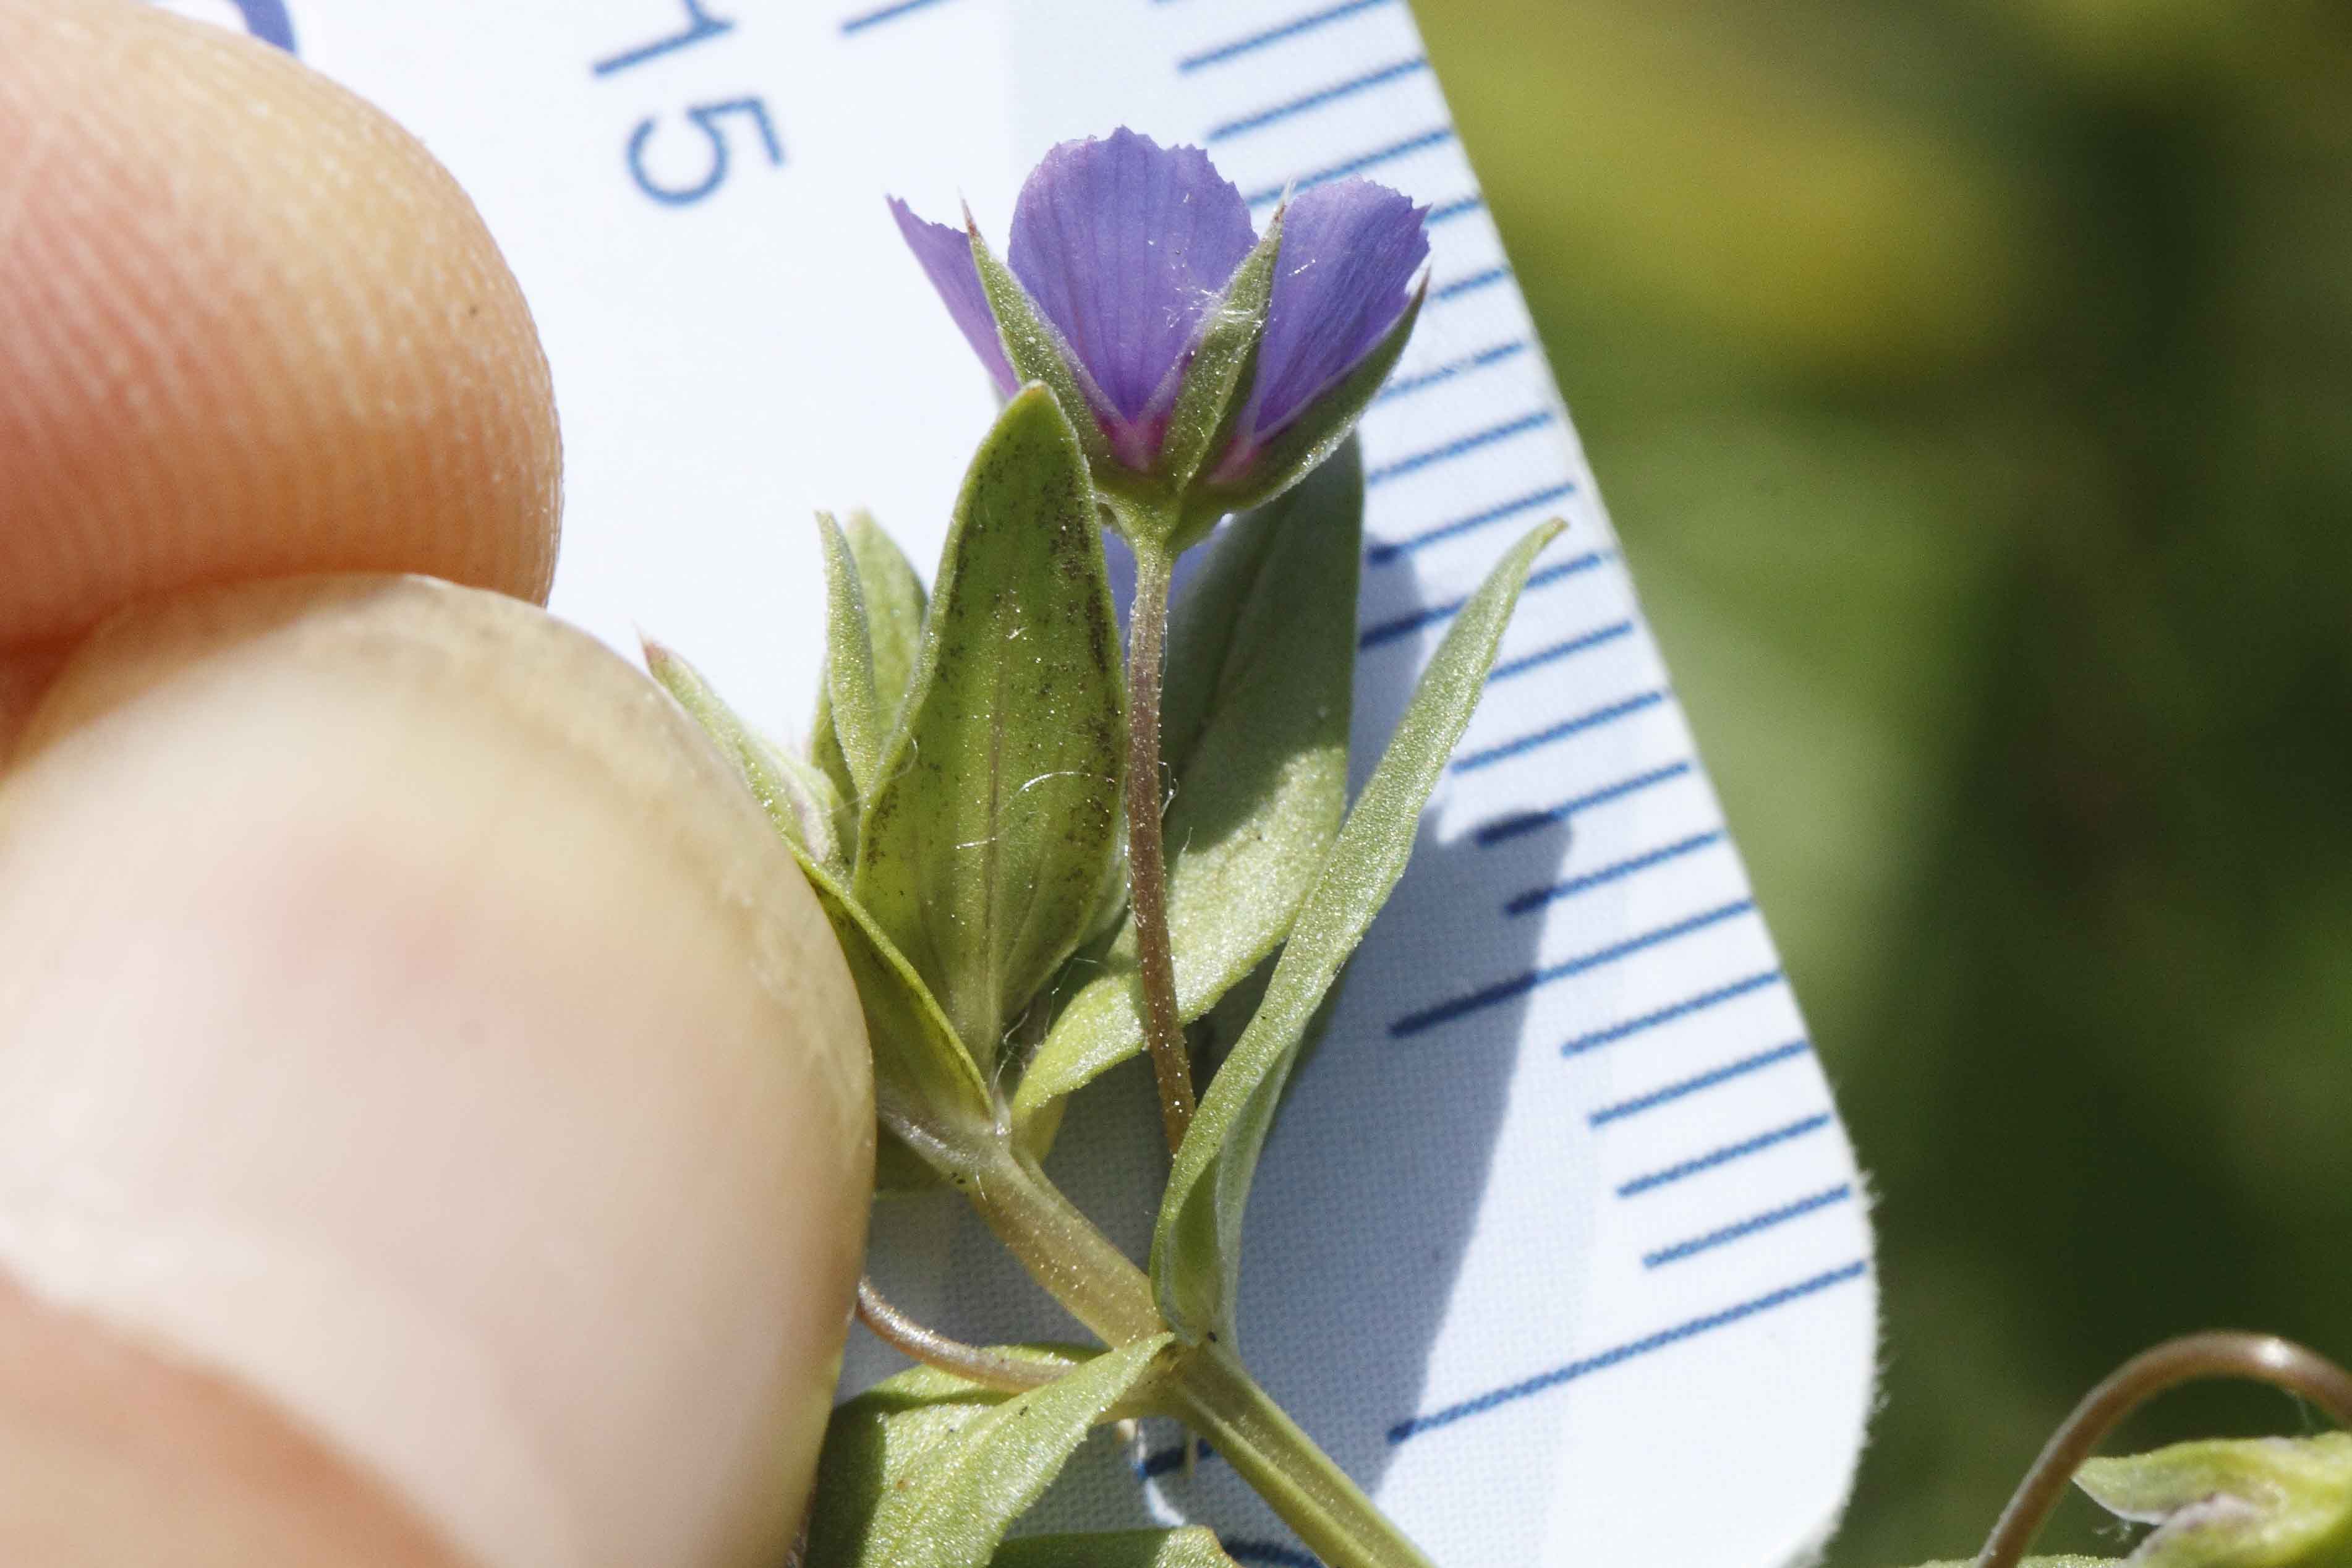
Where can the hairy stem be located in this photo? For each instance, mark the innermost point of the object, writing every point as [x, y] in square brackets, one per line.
[1216, 1396]
[1062, 1249]
[2265, 1358]
[970, 1363]
[1146, 860]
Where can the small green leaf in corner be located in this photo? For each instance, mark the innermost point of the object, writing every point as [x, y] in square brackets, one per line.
[927, 1471]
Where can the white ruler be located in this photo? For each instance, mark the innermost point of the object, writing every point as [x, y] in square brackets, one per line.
[1560, 1247]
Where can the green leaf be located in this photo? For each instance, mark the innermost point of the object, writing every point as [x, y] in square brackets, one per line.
[1216, 382]
[2262, 1502]
[926, 1470]
[1255, 725]
[926, 1087]
[1196, 1244]
[1194, 1547]
[983, 847]
[798, 799]
[2036, 1563]
[894, 610]
[1318, 431]
[853, 709]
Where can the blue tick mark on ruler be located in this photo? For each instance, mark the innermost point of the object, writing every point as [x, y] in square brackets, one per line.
[1307, 23]
[1383, 554]
[1537, 898]
[1714, 997]
[1318, 99]
[1714, 1158]
[1625, 707]
[1597, 637]
[1692, 1328]
[1508, 828]
[1788, 1050]
[874, 18]
[1460, 446]
[1739, 1230]
[1436, 137]
[1405, 626]
[1519, 985]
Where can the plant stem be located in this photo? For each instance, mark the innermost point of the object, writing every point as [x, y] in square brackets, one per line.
[974, 1363]
[2265, 1358]
[1147, 862]
[1214, 1395]
[1077, 1264]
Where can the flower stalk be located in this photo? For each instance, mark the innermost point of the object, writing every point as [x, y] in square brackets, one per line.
[1147, 858]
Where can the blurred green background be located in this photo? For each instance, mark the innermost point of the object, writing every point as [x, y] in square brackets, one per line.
[1971, 383]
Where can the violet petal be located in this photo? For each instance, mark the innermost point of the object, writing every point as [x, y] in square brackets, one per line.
[1125, 245]
[1349, 253]
[946, 256]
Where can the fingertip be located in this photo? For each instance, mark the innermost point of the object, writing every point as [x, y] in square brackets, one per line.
[404, 1012]
[249, 327]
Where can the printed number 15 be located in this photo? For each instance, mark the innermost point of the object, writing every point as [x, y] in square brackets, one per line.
[706, 118]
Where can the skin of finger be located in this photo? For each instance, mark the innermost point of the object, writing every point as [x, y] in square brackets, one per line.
[111, 1454]
[404, 1013]
[249, 327]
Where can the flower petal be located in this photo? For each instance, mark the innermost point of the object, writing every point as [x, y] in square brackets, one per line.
[946, 256]
[1349, 253]
[1125, 245]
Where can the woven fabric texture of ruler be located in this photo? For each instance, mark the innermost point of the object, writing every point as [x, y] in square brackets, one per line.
[1560, 1247]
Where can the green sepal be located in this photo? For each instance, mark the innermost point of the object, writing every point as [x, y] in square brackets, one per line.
[927, 1470]
[1035, 349]
[2259, 1503]
[926, 1086]
[1261, 672]
[985, 843]
[1307, 439]
[854, 711]
[798, 797]
[1196, 1244]
[1194, 1546]
[895, 603]
[1217, 377]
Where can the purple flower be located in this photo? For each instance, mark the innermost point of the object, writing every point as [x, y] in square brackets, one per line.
[1128, 256]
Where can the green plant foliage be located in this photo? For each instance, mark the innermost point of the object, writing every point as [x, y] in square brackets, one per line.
[927, 1470]
[1217, 381]
[1192, 1548]
[2261, 1502]
[1254, 728]
[925, 1084]
[984, 843]
[1196, 1244]
[853, 709]
[1308, 440]
[895, 603]
[798, 797]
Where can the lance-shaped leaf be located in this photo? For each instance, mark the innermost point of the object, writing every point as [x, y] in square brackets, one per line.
[1196, 1244]
[2263, 1502]
[983, 846]
[926, 1470]
[1194, 1547]
[853, 712]
[926, 1087]
[797, 797]
[1036, 350]
[894, 610]
[1255, 725]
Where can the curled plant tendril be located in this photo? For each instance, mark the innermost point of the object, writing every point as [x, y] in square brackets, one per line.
[929, 1346]
[2263, 1358]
